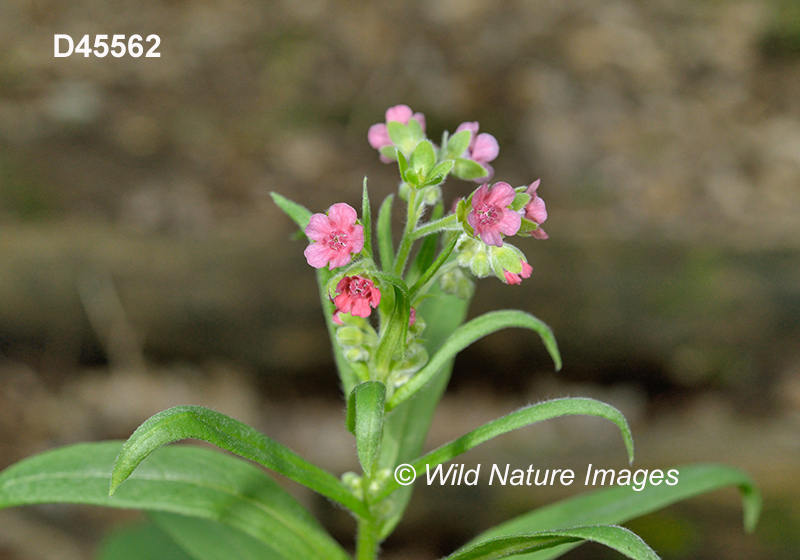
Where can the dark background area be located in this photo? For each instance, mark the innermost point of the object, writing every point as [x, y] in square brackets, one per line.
[143, 265]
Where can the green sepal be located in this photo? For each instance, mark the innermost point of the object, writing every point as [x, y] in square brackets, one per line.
[457, 144]
[389, 152]
[405, 137]
[469, 170]
[527, 226]
[439, 173]
[520, 200]
[423, 158]
[462, 209]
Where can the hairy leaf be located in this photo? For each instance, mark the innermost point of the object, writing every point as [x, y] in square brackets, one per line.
[617, 538]
[195, 422]
[516, 420]
[180, 479]
[468, 333]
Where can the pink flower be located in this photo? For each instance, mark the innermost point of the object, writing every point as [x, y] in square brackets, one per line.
[536, 211]
[482, 149]
[491, 214]
[412, 318]
[335, 237]
[378, 135]
[512, 278]
[356, 296]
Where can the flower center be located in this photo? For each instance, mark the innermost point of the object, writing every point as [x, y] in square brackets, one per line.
[359, 287]
[487, 215]
[337, 240]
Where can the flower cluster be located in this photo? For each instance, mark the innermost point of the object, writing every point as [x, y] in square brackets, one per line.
[475, 234]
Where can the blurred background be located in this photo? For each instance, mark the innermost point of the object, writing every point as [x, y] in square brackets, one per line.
[143, 265]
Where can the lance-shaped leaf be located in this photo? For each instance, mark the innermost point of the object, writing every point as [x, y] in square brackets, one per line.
[622, 503]
[516, 420]
[468, 333]
[207, 540]
[142, 541]
[385, 242]
[181, 479]
[617, 538]
[395, 333]
[366, 219]
[365, 419]
[297, 212]
[195, 422]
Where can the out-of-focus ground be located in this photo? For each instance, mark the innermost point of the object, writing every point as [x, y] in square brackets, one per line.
[143, 265]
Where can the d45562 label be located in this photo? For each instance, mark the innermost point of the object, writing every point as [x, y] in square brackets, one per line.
[117, 47]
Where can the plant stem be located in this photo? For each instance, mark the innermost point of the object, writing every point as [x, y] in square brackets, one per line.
[408, 239]
[449, 223]
[367, 542]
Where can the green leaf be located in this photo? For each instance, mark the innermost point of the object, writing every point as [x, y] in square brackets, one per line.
[180, 479]
[208, 540]
[195, 422]
[617, 538]
[516, 420]
[467, 334]
[622, 503]
[297, 212]
[366, 219]
[369, 399]
[385, 242]
[457, 144]
[142, 541]
[395, 333]
[423, 158]
[468, 169]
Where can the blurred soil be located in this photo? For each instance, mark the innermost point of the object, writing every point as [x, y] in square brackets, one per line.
[143, 264]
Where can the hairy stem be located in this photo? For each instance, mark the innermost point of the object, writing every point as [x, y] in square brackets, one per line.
[408, 239]
[367, 541]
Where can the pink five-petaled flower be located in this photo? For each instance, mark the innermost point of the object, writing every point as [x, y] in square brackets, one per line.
[536, 211]
[512, 278]
[378, 134]
[335, 237]
[491, 214]
[356, 296]
[482, 149]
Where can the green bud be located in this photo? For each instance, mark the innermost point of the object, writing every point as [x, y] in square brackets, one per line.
[480, 265]
[455, 282]
[350, 336]
[356, 354]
